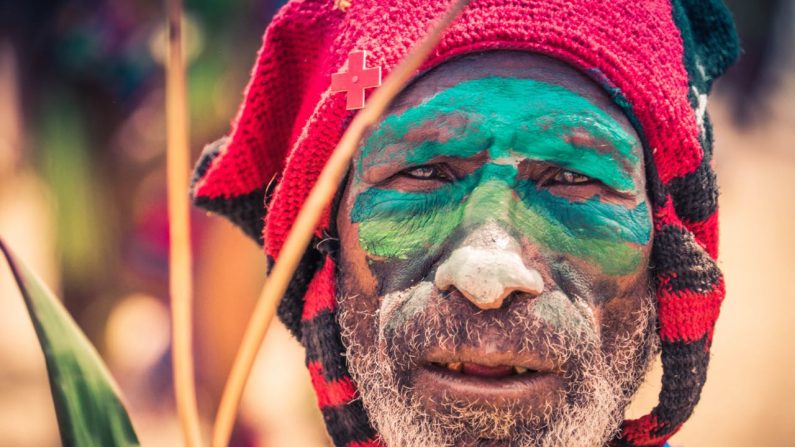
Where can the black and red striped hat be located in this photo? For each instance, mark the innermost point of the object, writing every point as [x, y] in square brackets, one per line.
[657, 59]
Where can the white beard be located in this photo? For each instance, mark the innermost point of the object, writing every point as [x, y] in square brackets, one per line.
[604, 387]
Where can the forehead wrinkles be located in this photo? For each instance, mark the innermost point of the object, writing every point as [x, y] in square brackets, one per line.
[439, 129]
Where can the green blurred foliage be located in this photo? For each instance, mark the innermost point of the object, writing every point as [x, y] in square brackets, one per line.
[87, 404]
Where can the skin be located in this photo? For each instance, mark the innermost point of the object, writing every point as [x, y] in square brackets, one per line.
[499, 187]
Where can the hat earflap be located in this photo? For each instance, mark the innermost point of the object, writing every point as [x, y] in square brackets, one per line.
[690, 289]
[339, 401]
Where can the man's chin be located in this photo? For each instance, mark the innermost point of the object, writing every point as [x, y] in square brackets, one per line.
[489, 409]
[430, 407]
[442, 410]
[489, 406]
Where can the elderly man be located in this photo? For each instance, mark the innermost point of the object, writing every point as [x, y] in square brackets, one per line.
[532, 220]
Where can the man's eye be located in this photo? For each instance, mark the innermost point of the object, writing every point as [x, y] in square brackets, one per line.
[564, 177]
[426, 173]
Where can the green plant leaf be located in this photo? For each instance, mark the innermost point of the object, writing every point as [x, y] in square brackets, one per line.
[87, 403]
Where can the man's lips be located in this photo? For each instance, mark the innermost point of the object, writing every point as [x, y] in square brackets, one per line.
[488, 363]
[485, 371]
[472, 374]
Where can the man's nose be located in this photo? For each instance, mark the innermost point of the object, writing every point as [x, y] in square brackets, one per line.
[487, 267]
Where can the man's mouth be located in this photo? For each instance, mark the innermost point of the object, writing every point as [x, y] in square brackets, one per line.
[497, 378]
[484, 371]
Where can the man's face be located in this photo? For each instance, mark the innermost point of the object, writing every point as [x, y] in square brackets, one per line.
[495, 236]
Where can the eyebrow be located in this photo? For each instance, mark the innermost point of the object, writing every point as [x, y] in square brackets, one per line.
[590, 145]
[404, 132]
[580, 137]
[583, 138]
[612, 162]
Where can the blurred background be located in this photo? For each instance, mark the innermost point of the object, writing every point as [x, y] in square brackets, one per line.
[83, 202]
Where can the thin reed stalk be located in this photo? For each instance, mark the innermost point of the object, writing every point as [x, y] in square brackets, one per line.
[301, 232]
[180, 262]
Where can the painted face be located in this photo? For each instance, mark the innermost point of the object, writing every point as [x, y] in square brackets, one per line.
[495, 237]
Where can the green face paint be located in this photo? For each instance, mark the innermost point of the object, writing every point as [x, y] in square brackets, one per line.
[510, 117]
[510, 120]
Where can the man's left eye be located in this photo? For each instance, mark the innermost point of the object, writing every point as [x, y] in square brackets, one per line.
[564, 177]
[426, 172]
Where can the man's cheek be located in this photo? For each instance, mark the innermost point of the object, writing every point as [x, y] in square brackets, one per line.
[610, 236]
[559, 311]
[395, 225]
[401, 306]
[402, 238]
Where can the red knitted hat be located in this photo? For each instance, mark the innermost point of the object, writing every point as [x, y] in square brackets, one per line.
[657, 59]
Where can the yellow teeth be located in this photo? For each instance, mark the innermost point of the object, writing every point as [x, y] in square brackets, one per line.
[459, 366]
[455, 366]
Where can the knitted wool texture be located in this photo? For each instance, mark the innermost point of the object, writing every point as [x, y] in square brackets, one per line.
[656, 58]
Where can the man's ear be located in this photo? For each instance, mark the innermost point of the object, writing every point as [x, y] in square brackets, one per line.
[710, 39]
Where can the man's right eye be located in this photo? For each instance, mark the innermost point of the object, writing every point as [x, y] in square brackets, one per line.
[426, 172]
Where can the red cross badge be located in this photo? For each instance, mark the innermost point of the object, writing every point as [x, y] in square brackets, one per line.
[356, 80]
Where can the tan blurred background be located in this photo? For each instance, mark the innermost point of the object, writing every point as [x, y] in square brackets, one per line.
[82, 200]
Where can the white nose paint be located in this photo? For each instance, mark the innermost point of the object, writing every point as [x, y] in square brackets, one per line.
[486, 276]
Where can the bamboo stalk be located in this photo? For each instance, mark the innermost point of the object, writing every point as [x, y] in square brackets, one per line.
[180, 262]
[301, 232]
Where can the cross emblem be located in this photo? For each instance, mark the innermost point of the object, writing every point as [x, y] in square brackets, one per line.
[356, 80]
